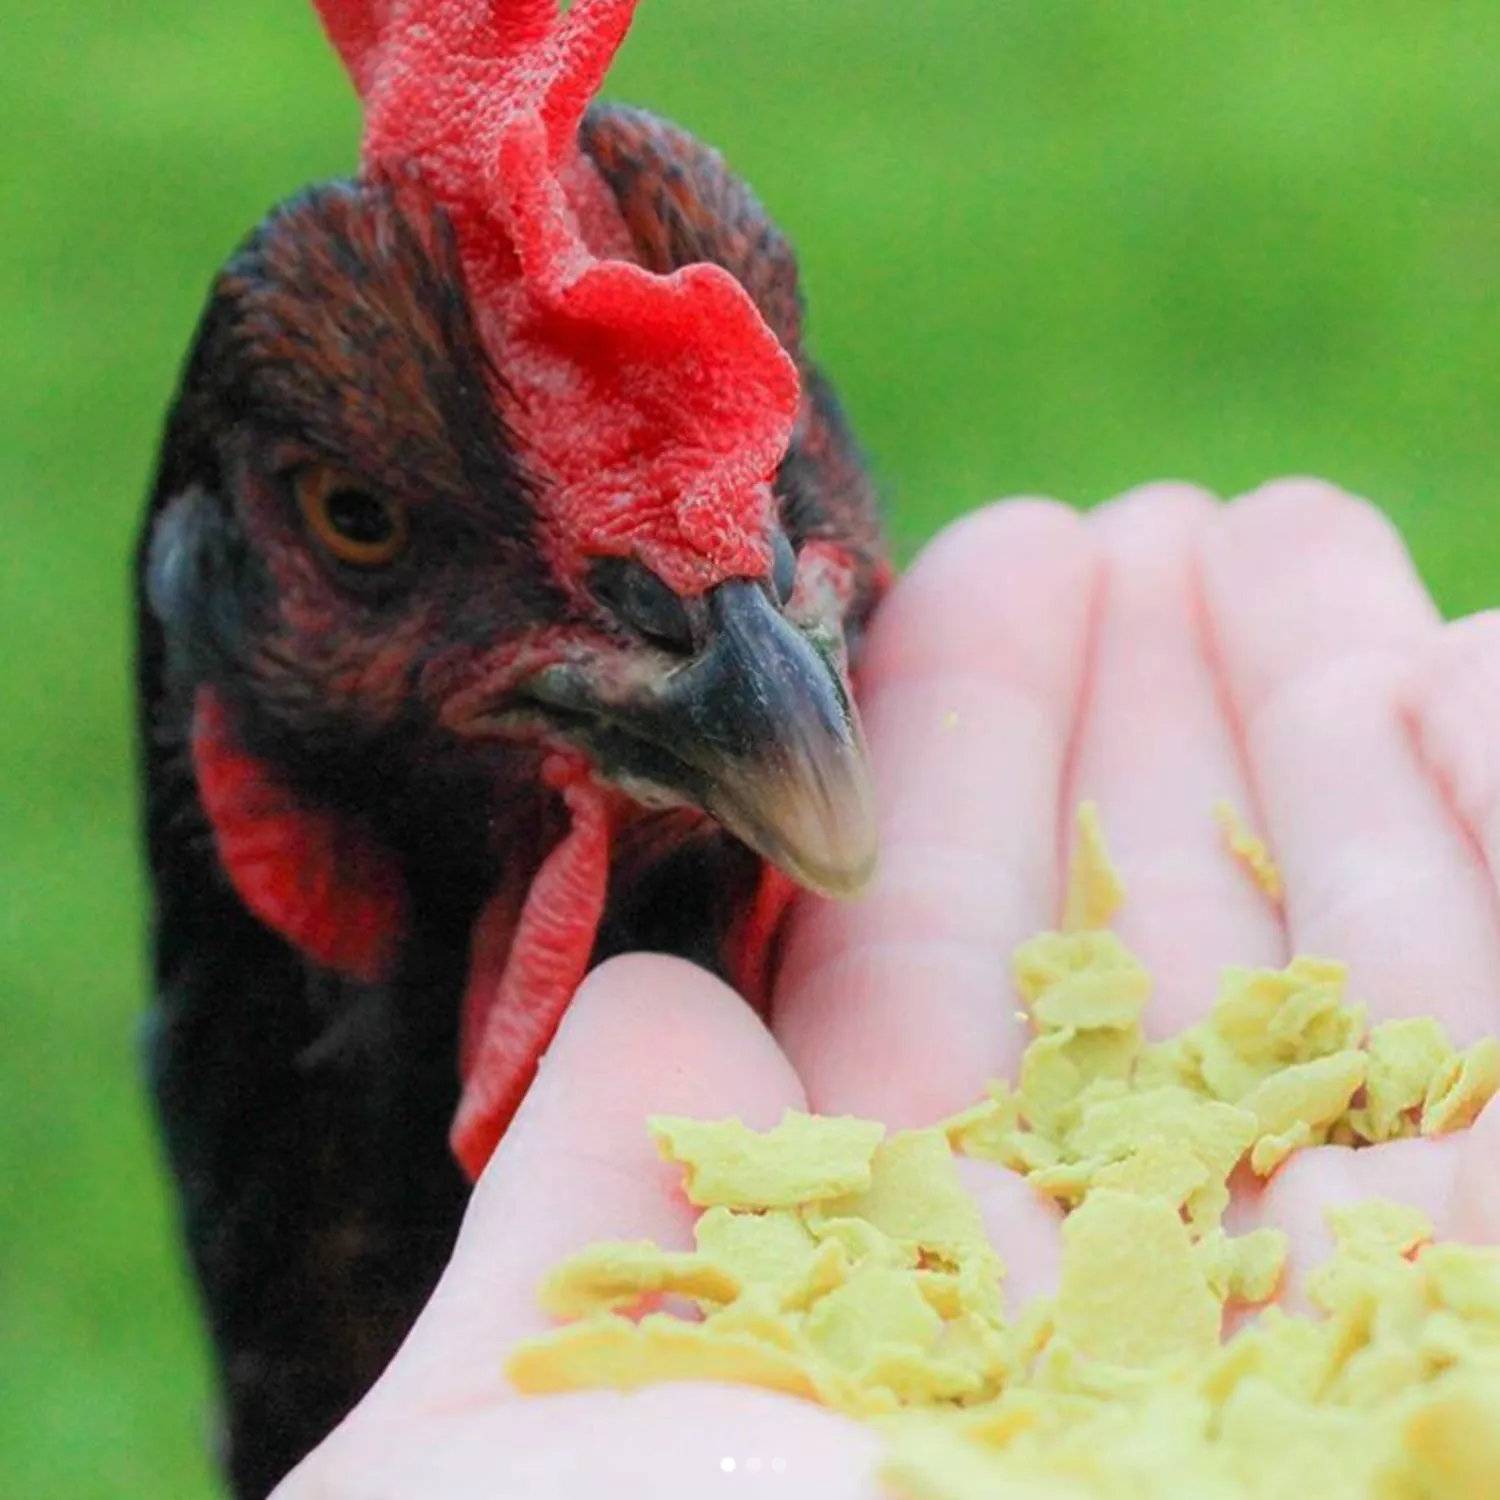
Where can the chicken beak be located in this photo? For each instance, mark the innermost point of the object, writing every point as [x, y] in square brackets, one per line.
[765, 718]
[757, 729]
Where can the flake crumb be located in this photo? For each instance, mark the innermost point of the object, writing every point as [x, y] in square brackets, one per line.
[1249, 851]
[803, 1159]
[1095, 890]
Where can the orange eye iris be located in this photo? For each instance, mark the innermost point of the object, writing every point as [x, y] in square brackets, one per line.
[357, 527]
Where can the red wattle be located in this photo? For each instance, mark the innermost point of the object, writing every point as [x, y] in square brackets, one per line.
[322, 880]
[510, 1017]
[752, 941]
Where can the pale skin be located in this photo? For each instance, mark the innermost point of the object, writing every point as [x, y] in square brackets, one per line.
[1163, 654]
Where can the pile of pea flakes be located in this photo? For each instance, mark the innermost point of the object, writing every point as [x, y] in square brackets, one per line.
[851, 1268]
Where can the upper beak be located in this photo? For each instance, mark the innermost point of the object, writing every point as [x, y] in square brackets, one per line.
[758, 730]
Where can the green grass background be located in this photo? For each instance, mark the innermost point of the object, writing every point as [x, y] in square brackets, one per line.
[1054, 246]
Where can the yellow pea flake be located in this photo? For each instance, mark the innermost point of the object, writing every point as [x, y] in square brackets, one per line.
[934, 1462]
[1464, 1279]
[1024, 1151]
[1218, 1134]
[859, 1240]
[617, 1354]
[1461, 1088]
[1243, 1268]
[1378, 1229]
[1051, 1086]
[877, 1309]
[1291, 1107]
[915, 1379]
[1068, 1182]
[1249, 851]
[1370, 1288]
[915, 1196]
[974, 1343]
[1066, 1073]
[1271, 1151]
[1405, 1056]
[804, 1159]
[1281, 1446]
[1269, 1018]
[1451, 1442]
[984, 1128]
[1169, 1170]
[756, 1247]
[1081, 980]
[774, 1252]
[1262, 1021]
[1114, 1242]
[613, 1275]
[1095, 889]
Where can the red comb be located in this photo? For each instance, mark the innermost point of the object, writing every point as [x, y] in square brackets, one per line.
[653, 409]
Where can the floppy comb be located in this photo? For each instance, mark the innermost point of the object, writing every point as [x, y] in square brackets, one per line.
[653, 410]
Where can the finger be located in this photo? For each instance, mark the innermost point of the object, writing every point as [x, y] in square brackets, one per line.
[1319, 618]
[1419, 1173]
[1474, 1210]
[1157, 753]
[1023, 1226]
[645, 1035]
[1455, 714]
[899, 1006]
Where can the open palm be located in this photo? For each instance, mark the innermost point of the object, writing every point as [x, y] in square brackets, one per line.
[1163, 655]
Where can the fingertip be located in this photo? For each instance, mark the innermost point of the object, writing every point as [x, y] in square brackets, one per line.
[1312, 507]
[975, 595]
[648, 1033]
[1300, 492]
[654, 992]
[1299, 575]
[1305, 525]
[1149, 538]
[1014, 515]
[1171, 503]
[1000, 536]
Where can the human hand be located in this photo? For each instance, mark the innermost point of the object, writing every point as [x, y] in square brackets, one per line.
[1158, 657]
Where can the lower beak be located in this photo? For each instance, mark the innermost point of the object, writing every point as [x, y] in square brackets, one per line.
[759, 731]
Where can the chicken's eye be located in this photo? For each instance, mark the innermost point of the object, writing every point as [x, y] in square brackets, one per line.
[783, 568]
[638, 598]
[357, 527]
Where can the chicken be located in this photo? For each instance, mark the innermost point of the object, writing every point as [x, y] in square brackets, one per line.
[496, 606]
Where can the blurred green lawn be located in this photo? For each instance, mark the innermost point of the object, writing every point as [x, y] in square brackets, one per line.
[1055, 246]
